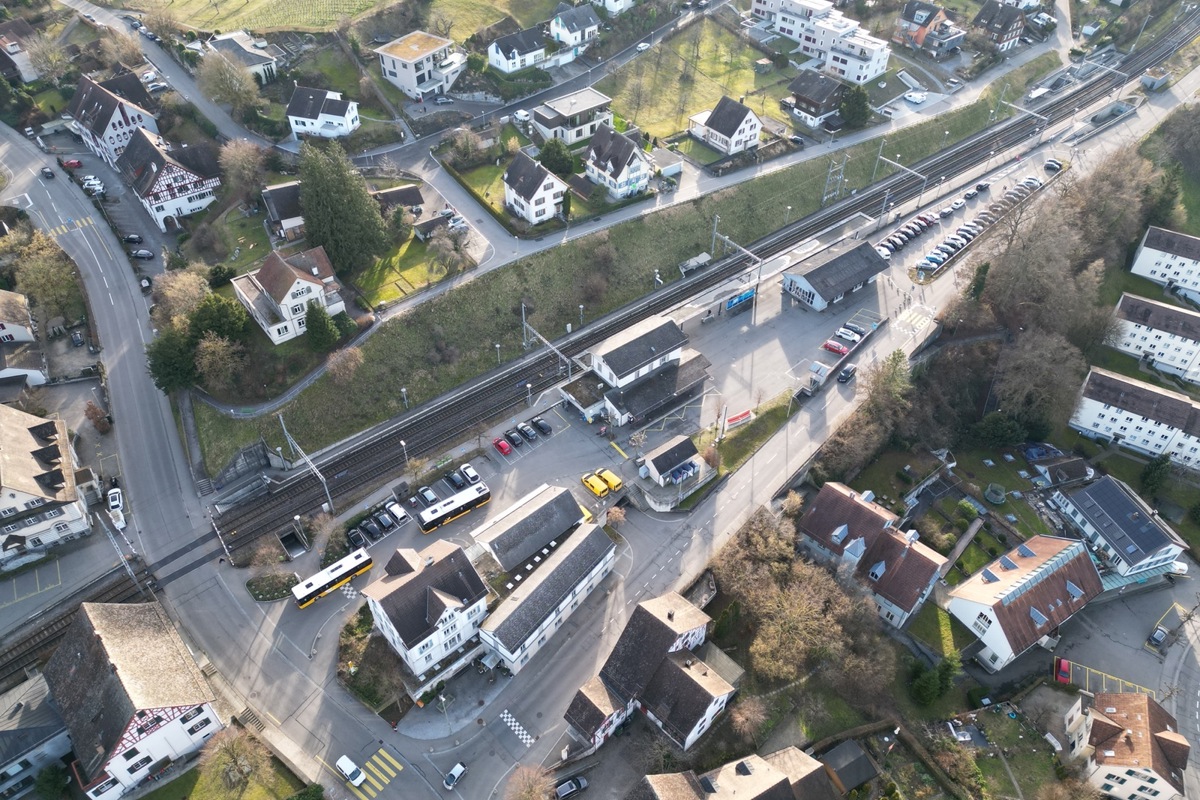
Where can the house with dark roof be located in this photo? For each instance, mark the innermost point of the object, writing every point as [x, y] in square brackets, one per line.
[104, 120]
[517, 51]
[1135, 748]
[617, 162]
[318, 112]
[170, 182]
[16, 324]
[1141, 416]
[24, 359]
[573, 117]
[408, 196]
[284, 216]
[32, 736]
[825, 277]
[532, 192]
[1061, 471]
[258, 56]
[1002, 24]
[564, 574]
[15, 64]
[654, 668]
[674, 461]
[127, 85]
[1023, 598]
[530, 527]
[574, 26]
[133, 700]
[428, 606]
[849, 766]
[928, 28]
[1170, 259]
[1164, 336]
[729, 127]
[788, 774]
[815, 97]
[638, 350]
[278, 293]
[1128, 536]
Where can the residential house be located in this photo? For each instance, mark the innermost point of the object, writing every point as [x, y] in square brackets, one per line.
[284, 216]
[728, 128]
[1003, 24]
[408, 196]
[823, 33]
[42, 505]
[15, 64]
[1127, 536]
[1141, 416]
[566, 573]
[573, 117]
[127, 85]
[530, 526]
[653, 668]
[531, 191]
[23, 360]
[133, 699]
[926, 27]
[1136, 749]
[849, 766]
[825, 277]
[517, 51]
[574, 26]
[428, 605]
[845, 527]
[617, 162]
[16, 324]
[815, 97]
[256, 55]
[106, 121]
[1024, 597]
[614, 7]
[1064, 470]
[32, 736]
[170, 182]
[317, 112]
[278, 293]
[674, 461]
[788, 774]
[1164, 336]
[1170, 259]
[421, 65]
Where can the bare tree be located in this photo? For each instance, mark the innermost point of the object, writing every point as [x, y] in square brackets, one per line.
[242, 163]
[748, 717]
[616, 515]
[48, 57]
[342, 364]
[1038, 377]
[442, 25]
[227, 82]
[161, 21]
[529, 782]
[447, 249]
[219, 361]
[1110, 206]
[46, 274]
[118, 47]
[235, 756]
[1069, 789]
[793, 504]
[321, 527]
[98, 417]
[177, 294]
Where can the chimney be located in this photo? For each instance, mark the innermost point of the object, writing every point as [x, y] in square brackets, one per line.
[671, 614]
[316, 272]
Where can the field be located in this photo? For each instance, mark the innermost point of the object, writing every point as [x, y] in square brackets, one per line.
[689, 73]
[196, 784]
[398, 275]
[1030, 759]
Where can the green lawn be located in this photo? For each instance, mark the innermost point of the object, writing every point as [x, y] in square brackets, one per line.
[51, 102]
[830, 715]
[472, 15]
[1119, 281]
[689, 73]
[941, 632]
[698, 151]
[488, 183]
[341, 74]
[194, 784]
[1029, 756]
[247, 234]
[1127, 365]
[398, 274]
[882, 476]
[972, 468]
[1190, 190]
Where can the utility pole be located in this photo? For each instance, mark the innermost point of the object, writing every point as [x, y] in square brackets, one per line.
[308, 461]
[524, 338]
[878, 156]
[716, 222]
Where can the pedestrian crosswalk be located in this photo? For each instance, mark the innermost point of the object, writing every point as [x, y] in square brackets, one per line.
[72, 225]
[914, 319]
[517, 728]
[379, 770]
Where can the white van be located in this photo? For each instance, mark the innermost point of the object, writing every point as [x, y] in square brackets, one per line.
[397, 513]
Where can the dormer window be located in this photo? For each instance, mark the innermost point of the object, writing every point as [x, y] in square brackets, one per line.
[877, 571]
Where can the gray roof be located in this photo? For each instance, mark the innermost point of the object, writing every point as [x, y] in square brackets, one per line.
[408, 196]
[674, 379]
[312, 103]
[524, 611]
[128, 86]
[726, 117]
[114, 661]
[1160, 316]
[851, 764]
[639, 344]
[1178, 244]
[526, 176]
[282, 201]
[611, 151]
[14, 308]
[93, 106]
[915, 7]
[143, 161]
[591, 705]
[680, 692]
[996, 17]
[576, 18]
[1131, 528]
[235, 49]
[1064, 469]
[840, 267]
[522, 43]
[653, 627]
[586, 99]
[529, 525]
[27, 719]
[671, 454]
[817, 87]
[1152, 402]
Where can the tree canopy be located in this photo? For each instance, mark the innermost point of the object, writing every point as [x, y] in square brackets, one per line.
[339, 211]
[556, 157]
[856, 107]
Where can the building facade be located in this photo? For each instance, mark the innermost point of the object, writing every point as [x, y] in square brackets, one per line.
[617, 163]
[259, 57]
[421, 65]
[16, 324]
[824, 33]
[1170, 259]
[729, 128]
[317, 112]
[169, 182]
[32, 736]
[1164, 336]
[278, 293]
[517, 51]
[574, 26]
[1003, 24]
[573, 117]
[823, 278]
[1140, 416]
[105, 121]
[532, 192]
[1135, 749]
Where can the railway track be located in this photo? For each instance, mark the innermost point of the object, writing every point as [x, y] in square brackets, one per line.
[377, 451]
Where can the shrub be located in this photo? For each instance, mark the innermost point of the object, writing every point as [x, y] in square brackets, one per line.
[967, 510]
[220, 275]
[904, 477]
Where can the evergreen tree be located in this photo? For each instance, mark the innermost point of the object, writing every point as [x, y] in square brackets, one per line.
[339, 211]
[556, 157]
[172, 360]
[856, 107]
[221, 315]
[321, 332]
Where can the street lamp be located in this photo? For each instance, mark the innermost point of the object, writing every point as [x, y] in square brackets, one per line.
[404, 396]
[581, 315]
[788, 217]
[529, 393]
[497, 354]
[404, 447]
[945, 139]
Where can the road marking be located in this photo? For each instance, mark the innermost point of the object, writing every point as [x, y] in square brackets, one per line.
[381, 765]
[517, 728]
[388, 757]
[619, 450]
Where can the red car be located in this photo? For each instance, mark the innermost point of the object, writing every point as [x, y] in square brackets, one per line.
[834, 347]
[1062, 670]
[504, 447]
[73, 163]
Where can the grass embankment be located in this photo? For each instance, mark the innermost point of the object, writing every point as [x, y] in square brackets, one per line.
[199, 784]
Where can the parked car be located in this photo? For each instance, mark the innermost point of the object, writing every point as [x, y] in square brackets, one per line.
[154, 88]
[971, 194]
[847, 375]
[848, 335]
[398, 514]
[456, 480]
[514, 438]
[945, 212]
[957, 204]
[72, 163]
[116, 500]
[47, 172]
[1158, 636]
[859, 329]
[595, 485]
[77, 338]
[350, 771]
[643, 47]
[835, 347]
[356, 538]
[427, 495]
[610, 478]
[385, 520]
[132, 238]
[144, 255]
[372, 529]
[796, 140]
[443, 100]
[983, 186]
[502, 446]
[542, 426]
[573, 786]
[1062, 670]
[916, 98]
[884, 253]
[470, 474]
[1052, 165]
[454, 776]
[526, 431]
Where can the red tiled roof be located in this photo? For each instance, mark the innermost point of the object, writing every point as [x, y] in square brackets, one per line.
[1133, 730]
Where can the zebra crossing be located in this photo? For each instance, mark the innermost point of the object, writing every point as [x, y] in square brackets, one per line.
[526, 738]
[914, 319]
[379, 770]
[72, 225]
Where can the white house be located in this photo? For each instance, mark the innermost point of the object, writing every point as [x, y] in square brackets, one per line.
[134, 701]
[105, 121]
[421, 65]
[41, 505]
[1128, 536]
[170, 182]
[573, 117]
[563, 577]
[427, 605]
[617, 162]
[1001, 22]
[1141, 416]
[32, 736]
[1135, 748]
[787, 774]
[517, 536]
[614, 7]
[317, 112]
[531, 191]
[638, 351]
[1024, 597]
[517, 51]
[258, 56]
[729, 128]
[15, 64]
[824, 33]
[1170, 259]
[1164, 336]
[825, 277]
[278, 293]
[16, 325]
[653, 667]
[574, 26]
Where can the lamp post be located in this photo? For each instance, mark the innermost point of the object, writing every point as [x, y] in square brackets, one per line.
[404, 447]
[529, 393]
[581, 315]
[945, 139]
[788, 216]
[497, 354]
[404, 396]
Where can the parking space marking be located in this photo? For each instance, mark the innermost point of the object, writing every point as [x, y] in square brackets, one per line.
[1098, 681]
[42, 583]
[619, 450]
